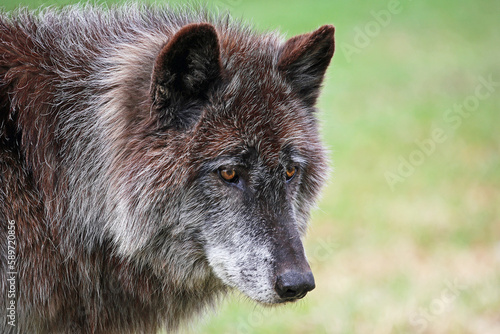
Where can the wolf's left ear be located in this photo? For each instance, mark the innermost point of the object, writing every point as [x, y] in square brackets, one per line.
[304, 59]
[183, 73]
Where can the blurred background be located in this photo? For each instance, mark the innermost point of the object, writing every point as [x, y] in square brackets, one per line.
[406, 238]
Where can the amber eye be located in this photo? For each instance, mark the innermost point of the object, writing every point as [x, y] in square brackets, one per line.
[290, 173]
[228, 175]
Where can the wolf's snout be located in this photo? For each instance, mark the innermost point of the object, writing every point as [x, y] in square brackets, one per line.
[293, 275]
[294, 284]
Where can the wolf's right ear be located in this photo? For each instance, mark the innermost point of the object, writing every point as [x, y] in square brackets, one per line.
[183, 72]
[304, 59]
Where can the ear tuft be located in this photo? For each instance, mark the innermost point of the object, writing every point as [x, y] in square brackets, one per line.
[183, 72]
[304, 59]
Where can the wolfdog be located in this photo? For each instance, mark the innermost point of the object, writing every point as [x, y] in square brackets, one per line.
[151, 161]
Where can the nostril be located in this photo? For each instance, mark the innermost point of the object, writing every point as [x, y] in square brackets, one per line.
[294, 285]
[290, 293]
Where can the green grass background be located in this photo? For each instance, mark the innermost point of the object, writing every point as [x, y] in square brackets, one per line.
[422, 255]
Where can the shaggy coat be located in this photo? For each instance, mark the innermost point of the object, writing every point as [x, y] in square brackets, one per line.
[115, 125]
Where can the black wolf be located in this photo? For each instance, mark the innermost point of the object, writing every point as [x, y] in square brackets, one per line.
[152, 160]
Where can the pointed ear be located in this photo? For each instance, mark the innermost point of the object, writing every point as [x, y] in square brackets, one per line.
[304, 59]
[183, 72]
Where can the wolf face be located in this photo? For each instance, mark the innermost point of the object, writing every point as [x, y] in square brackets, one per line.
[249, 120]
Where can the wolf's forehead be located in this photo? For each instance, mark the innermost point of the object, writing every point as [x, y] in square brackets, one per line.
[255, 109]
[271, 136]
[243, 48]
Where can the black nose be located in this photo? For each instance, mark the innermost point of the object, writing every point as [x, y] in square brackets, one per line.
[294, 284]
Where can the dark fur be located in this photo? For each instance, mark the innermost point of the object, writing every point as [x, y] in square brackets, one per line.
[112, 126]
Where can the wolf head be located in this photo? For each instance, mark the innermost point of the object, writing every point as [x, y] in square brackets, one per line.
[234, 157]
